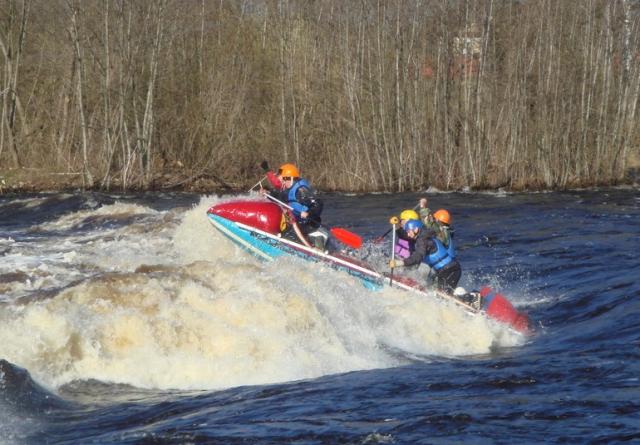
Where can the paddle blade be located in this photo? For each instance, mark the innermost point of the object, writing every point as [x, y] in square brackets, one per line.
[346, 237]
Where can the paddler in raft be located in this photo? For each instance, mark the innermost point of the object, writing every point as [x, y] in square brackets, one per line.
[430, 250]
[296, 192]
[404, 244]
[438, 222]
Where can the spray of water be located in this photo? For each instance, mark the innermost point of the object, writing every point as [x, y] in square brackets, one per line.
[165, 301]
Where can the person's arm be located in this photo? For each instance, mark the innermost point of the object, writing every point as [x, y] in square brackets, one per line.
[425, 215]
[424, 245]
[308, 202]
[271, 176]
[297, 205]
[420, 250]
[273, 180]
[280, 195]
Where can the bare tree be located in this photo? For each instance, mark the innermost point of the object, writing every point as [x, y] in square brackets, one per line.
[363, 95]
[74, 34]
[12, 47]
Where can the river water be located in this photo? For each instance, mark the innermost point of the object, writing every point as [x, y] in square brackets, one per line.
[128, 319]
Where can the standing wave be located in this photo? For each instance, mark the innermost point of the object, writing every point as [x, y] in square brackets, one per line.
[206, 315]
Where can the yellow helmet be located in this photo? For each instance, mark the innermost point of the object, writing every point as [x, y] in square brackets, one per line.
[289, 170]
[409, 214]
[443, 216]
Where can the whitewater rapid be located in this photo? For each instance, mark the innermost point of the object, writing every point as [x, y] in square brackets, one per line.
[123, 293]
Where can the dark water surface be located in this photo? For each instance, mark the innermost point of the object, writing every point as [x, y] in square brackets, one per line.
[126, 319]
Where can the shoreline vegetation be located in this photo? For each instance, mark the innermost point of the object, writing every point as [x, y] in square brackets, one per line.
[363, 96]
[15, 182]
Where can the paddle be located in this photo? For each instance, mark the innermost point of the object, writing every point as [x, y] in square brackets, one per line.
[271, 177]
[348, 238]
[292, 218]
[381, 237]
[342, 235]
[259, 183]
[394, 221]
[264, 165]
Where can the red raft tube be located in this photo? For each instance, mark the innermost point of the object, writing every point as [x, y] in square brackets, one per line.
[499, 308]
[263, 215]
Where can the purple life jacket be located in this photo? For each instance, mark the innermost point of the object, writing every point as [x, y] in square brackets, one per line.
[402, 248]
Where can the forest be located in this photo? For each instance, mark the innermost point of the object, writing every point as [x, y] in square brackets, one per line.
[362, 95]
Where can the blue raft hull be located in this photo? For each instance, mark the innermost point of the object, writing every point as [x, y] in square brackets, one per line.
[267, 247]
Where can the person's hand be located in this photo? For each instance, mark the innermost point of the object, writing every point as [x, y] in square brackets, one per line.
[265, 166]
[394, 220]
[304, 215]
[395, 263]
[422, 203]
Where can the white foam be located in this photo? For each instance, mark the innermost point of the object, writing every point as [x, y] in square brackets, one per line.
[180, 306]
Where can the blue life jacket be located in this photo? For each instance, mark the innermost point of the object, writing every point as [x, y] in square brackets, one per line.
[291, 197]
[451, 248]
[442, 256]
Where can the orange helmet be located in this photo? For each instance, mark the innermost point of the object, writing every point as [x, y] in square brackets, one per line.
[443, 216]
[289, 170]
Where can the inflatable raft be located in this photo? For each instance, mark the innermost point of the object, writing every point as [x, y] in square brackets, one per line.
[257, 227]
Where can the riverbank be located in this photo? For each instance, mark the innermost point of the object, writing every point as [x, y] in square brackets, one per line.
[33, 180]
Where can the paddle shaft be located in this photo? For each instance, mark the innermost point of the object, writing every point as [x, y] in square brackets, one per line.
[393, 251]
[273, 198]
[279, 202]
[293, 220]
[353, 240]
[257, 183]
[383, 235]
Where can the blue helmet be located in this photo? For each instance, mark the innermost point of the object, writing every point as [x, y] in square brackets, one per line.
[412, 224]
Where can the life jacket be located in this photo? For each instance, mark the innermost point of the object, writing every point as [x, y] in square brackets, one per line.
[441, 257]
[452, 247]
[499, 308]
[402, 248]
[444, 234]
[291, 197]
